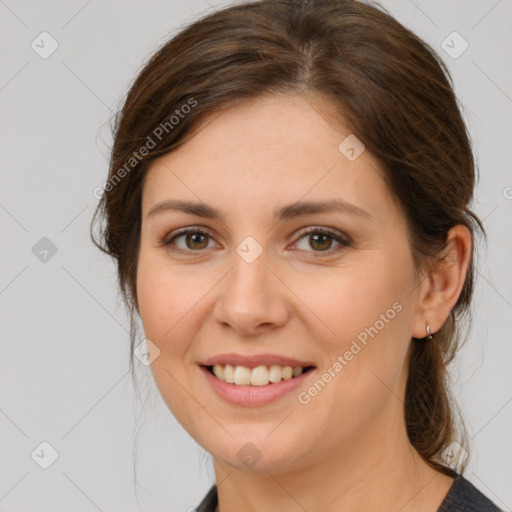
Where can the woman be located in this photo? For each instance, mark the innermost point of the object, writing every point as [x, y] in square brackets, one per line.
[288, 207]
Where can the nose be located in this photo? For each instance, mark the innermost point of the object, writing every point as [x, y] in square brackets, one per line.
[251, 298]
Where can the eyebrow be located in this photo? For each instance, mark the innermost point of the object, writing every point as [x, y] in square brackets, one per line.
[286, 212]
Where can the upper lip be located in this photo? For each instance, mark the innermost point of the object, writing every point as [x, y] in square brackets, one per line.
[255, 360]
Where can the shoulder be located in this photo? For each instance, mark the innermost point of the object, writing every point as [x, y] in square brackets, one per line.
[463, 496]
[209, 503]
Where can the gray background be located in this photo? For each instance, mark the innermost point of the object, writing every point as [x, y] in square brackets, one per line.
[64, 353]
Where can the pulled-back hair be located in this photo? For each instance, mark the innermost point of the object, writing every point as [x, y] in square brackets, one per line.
[393, 92]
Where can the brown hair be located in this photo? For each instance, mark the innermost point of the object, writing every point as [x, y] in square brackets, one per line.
[393, 91]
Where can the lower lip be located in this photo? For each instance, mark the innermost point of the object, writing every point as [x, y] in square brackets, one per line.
[253, 396]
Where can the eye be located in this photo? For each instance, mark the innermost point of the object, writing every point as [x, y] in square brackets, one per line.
[194, 239]
[321, 240]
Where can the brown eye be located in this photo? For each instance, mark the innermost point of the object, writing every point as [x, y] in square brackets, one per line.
[321, 240]
[194, 240]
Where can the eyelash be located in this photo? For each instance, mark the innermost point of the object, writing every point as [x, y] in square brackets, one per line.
[343, 241]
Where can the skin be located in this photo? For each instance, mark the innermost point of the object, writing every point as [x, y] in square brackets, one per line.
[347, 449]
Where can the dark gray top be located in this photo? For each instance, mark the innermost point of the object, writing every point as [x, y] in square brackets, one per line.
[463, 496]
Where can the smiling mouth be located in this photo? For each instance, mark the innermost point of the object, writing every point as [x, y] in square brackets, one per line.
[257, 376]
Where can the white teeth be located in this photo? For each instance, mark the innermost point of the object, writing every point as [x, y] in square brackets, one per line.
[242, 375]
[287, 372]
[229, 373]
[218, 371]
[258, 376]
[276, 373]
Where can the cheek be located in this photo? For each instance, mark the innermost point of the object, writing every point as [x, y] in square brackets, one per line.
[365, 330]
[164, 300]
[349, 301]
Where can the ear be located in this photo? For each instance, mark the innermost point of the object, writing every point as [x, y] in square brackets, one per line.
[440, 290]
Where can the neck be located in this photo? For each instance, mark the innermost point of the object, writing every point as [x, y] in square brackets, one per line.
[380, 470]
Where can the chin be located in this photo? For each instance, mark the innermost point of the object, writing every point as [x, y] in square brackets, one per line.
[259, 453]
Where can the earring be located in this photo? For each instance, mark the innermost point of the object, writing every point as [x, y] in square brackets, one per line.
[429, 334]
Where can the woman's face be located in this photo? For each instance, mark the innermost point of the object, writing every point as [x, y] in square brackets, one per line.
[274, 274]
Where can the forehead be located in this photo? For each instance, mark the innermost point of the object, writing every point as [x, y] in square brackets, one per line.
[268, 151]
